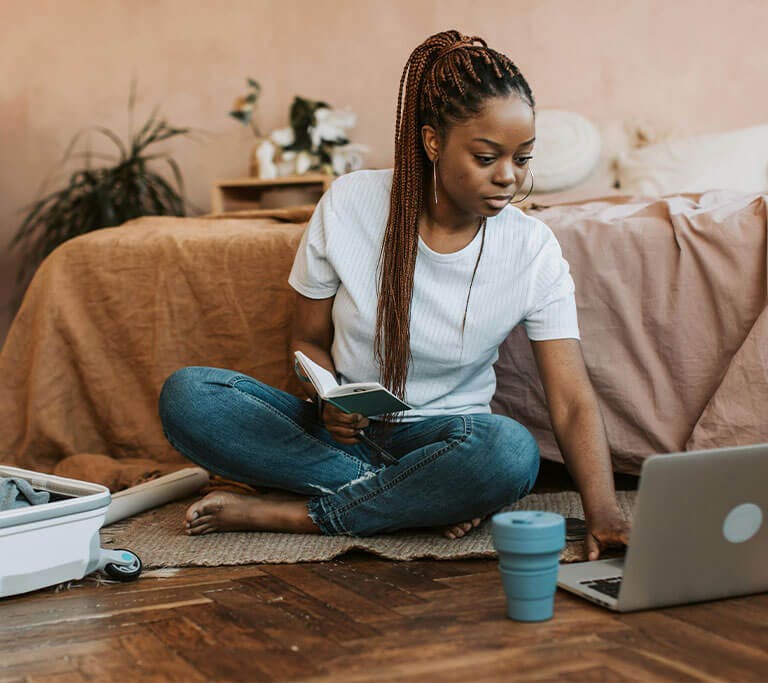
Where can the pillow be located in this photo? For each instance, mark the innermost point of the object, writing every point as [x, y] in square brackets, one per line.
[601, 182]
[567, 149]
[736, 160]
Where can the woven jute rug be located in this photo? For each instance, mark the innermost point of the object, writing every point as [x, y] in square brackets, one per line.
[158, 538]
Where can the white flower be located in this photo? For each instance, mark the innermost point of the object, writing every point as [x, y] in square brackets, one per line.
[283, 136]
[338, 118]
[322, 114]
[303, 162]
[326, 132]
[346, 158]
[331, 125]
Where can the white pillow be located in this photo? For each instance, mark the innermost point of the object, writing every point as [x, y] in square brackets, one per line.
[736, 160]
[567, 148]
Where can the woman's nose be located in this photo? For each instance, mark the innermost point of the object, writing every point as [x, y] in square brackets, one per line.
[506, 175]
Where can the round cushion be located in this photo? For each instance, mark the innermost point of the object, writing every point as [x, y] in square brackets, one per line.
[566, 150]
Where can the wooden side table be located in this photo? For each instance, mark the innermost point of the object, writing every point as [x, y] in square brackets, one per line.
[239, 194]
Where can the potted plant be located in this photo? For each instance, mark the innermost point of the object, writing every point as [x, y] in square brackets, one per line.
[317, 138]
[101, 197]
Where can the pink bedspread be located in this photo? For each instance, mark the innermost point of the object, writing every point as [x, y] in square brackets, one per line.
[672, 297]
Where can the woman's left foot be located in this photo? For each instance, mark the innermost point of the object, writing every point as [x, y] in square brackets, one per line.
[461, 529]
[228, 511]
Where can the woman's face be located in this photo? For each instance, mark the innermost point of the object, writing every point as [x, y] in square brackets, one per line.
[483, 161]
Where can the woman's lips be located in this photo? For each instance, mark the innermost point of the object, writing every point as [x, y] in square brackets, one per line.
[498, 202]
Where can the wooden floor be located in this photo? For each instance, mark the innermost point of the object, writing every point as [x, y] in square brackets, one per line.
[362, 619]
[358, 618]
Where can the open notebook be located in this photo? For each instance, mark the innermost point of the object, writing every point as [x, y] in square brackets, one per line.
[366, 398]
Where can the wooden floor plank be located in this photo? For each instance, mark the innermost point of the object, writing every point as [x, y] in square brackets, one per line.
[119, 665]
[40, 638]
[205, 636]
[152, 657]
[415, 577]
[379, 585]
[702, 651]
[484, 592]
[579, 672]
[81, 606]
[296, 602]
[641, 666]
[58, 659]
[288, 640]
[741, 619]
[513, 663]
[491, 629]
[70, 677]
[330, 593]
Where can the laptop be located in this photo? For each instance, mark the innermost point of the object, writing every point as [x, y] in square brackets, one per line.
[699, 532]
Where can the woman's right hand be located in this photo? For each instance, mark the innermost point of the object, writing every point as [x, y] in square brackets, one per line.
[343, 426]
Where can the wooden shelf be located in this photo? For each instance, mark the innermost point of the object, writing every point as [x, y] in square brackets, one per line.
[237, 194]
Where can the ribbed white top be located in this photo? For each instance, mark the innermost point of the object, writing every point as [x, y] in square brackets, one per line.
[522, 277]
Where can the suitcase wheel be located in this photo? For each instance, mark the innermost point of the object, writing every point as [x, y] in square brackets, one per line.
[128, 569]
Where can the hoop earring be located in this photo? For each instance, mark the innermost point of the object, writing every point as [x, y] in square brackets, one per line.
[529, 191]
[434, 178]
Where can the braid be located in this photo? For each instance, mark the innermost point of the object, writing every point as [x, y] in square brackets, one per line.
[446, 79]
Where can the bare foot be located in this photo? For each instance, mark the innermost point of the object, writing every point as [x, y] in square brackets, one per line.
[229, 511]
[461, 529]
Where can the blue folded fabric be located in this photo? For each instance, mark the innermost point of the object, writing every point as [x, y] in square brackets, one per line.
[18, 493]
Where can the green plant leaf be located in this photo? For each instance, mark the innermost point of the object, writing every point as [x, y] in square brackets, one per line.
[137, 144]
[242, 116]
[118, 142]
[176, 174]
[172, 197]
[94, 198]
[302, 116]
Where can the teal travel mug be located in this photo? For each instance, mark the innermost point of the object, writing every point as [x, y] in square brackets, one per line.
[529, 545]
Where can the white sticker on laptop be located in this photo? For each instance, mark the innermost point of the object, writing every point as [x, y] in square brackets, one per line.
[742, 523]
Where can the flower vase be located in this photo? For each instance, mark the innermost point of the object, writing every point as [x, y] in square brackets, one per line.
[253, 160]
[261, 162]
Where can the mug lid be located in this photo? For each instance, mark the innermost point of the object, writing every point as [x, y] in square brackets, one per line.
[527, 520]
[532, 528]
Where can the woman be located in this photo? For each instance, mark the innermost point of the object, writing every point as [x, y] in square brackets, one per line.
[413, 277]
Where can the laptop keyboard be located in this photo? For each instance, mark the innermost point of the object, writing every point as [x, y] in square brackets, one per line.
[608, 586]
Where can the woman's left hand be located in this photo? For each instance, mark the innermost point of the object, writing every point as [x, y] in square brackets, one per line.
[606, 529]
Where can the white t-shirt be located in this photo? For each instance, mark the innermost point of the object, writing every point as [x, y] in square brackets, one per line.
[522, 277]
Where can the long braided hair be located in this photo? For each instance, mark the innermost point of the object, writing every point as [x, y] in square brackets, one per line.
[447, 79]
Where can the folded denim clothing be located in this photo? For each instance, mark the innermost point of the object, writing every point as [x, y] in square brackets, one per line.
[18, 493]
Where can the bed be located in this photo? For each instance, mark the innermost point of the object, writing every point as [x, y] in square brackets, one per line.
[671, 290]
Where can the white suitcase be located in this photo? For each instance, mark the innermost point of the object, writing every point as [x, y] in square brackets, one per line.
[42, 545]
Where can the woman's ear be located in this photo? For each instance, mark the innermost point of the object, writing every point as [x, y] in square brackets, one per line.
[430, 141]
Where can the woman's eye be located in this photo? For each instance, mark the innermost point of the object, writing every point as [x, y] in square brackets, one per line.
[520, 161]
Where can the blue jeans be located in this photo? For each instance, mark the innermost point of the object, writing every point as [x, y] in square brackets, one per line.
[451, 469]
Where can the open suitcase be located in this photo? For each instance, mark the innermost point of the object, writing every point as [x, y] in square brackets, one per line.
[42, 545]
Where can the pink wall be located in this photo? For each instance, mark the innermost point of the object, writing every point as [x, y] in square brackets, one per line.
[68, 64]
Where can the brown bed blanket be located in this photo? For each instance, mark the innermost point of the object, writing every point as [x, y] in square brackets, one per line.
[109, 315]
[672, 307]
